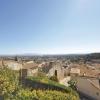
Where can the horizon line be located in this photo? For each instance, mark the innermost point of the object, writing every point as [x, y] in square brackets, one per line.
[40, 54]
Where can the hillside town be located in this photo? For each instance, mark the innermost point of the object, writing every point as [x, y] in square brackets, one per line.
[85, 72]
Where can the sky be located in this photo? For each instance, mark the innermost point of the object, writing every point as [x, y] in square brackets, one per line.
[49, 26]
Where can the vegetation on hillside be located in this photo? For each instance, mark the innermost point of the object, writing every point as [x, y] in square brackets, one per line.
[45, 80]
[54, 78]
[44, 95]
[10, 89]
[9, 83]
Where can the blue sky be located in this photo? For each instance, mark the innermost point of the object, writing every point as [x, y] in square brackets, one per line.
[49, 26]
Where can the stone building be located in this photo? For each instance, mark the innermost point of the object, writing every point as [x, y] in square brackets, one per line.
[57, 70]
[13, 65]
[74, 72]
[29, 69]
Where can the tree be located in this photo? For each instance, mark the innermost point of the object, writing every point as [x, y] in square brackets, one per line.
[54, 78]
[72, 84]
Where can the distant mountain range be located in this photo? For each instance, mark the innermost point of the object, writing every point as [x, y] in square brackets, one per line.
[93, 55]
[85, 56]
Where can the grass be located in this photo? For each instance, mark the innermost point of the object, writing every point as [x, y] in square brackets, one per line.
[45, 80]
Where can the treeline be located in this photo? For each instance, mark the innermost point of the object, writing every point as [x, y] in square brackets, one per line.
[93, 56]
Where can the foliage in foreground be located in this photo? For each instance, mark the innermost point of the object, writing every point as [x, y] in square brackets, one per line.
[44, 95]
[11, 90]
[8, 82]
[72, 84]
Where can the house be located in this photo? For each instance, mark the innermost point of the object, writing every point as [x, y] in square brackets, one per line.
[89, 87]
[96, 61]
[42, 64]
[74, 71]
[57, 70]
[29, 62]
[13, 65]
[45, 66]
[29, 69]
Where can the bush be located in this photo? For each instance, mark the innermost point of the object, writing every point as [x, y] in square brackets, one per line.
[8, 82]
[26, 94]
[72, 84]
[54, 78]
[41, 74]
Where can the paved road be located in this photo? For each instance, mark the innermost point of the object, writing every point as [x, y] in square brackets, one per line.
[84, 96]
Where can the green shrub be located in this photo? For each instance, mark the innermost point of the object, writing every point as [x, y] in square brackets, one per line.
[72, 84]
[26, 94]
[8, 82]
[54, 78]
[47, 81]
